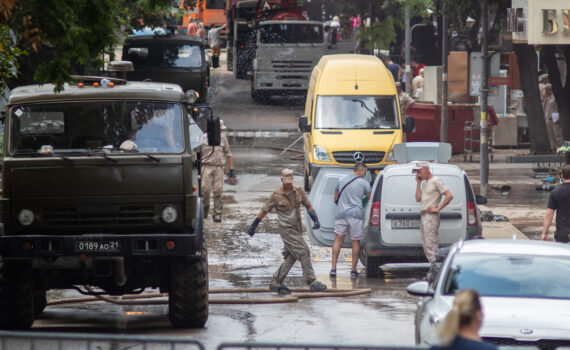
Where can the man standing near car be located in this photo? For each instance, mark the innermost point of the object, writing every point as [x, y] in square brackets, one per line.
[213, 165]
[559, 201]
[287, 200]
[348, 196]
[429, 191]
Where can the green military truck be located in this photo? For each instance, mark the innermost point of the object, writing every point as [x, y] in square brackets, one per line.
[100, 189]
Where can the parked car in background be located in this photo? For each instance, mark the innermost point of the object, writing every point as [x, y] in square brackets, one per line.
[524, 289]
[392, 216]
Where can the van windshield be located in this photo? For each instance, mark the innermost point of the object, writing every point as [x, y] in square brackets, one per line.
[356, 112]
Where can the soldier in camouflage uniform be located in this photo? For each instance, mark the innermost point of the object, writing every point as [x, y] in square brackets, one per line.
[287, 201]
[213, 164]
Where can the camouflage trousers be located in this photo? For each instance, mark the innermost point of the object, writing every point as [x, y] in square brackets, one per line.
[295, 249]
[429, 225]
[213, 179]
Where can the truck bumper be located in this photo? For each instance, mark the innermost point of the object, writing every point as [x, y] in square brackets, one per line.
[283, 83]
[29, 246]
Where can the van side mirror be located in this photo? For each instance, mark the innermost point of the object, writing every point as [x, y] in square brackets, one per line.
[479, 199]
[410, 124]
[303, 126]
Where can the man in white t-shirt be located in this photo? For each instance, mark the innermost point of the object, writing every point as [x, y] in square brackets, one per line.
[429, 191]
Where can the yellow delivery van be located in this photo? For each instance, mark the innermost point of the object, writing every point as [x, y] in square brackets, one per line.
[352, 114]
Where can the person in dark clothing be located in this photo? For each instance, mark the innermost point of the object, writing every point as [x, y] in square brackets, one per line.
[559, 201]
[394, 68]
[460, 328]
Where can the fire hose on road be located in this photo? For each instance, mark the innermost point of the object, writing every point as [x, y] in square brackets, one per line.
[138, 299]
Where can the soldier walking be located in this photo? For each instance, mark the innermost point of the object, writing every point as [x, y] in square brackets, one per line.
[287, 201]
[213, 165]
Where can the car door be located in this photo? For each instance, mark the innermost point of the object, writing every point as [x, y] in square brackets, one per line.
[322, 199]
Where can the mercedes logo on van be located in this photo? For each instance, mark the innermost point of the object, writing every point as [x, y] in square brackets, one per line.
[358, 156]
[526, 331]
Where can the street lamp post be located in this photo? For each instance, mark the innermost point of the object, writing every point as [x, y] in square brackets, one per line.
[484, 147]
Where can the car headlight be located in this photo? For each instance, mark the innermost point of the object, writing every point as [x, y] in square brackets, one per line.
[321, 154]
[390, 157]
[26, 217]
[169, 214]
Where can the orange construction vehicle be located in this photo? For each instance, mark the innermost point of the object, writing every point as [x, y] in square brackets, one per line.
[209, 12]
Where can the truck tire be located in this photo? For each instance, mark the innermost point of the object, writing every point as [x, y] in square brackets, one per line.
[241, 73]
[40, 301]
[16, 296]
[188, 297]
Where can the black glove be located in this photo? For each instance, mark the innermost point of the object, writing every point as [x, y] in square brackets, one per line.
[231, 173]
[253, 226]
[316, 224]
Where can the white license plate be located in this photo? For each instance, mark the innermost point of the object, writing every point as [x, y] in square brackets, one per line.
[405, 224]
[97, 246]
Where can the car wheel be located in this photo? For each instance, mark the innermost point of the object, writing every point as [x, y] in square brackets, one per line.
[16, 296]
[188, 297]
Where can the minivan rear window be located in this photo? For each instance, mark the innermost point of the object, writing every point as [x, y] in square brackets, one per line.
[400, 190]
[356, 112]
[165, 55]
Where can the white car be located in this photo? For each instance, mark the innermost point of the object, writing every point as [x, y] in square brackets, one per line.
[524, 288]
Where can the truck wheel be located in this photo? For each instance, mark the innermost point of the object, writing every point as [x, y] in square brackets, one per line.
[188, 297]
[16, 296]
[40, 301]
[241, 73]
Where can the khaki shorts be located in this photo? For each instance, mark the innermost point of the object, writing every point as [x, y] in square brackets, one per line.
[216, 50]
[352, 225]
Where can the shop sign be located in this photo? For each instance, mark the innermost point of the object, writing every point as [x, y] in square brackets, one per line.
[539, 22]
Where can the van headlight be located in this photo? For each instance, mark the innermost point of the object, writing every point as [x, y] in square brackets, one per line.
[169, 214]
[321, 154]
[26, 217]
[390, 156]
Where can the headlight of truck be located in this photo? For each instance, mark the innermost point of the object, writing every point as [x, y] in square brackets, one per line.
[26, 217]
[321, 154]
[390, 156]
[169, 214]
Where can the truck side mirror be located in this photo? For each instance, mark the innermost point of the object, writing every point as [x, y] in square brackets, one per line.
[303, 126]
[410, 124]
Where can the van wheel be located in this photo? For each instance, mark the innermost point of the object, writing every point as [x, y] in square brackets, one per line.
[306, 180]
[371, 263]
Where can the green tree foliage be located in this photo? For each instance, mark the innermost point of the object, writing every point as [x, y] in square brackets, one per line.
[65, 37]
[8, 58]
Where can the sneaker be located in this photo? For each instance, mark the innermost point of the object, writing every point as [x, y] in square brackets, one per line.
[317, 287]
[353, 274]
[332, 274]
[217, 220]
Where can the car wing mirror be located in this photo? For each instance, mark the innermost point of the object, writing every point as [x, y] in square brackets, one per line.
[303, 126]
[420, 289]
[479, 199]
[410, 124]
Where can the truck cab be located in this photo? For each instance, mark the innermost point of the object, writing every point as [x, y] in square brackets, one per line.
[100, 187]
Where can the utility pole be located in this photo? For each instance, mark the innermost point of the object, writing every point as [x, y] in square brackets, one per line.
[484, 162]
[444, 115]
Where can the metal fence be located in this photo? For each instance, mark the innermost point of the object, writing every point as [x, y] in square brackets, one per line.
[79, 341]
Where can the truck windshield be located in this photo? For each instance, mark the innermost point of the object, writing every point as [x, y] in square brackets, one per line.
[356, 112]
[164, 56]
[116, 126]
[291, 33]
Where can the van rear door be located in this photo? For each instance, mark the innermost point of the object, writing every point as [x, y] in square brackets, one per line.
[322, 199]
[400, 213]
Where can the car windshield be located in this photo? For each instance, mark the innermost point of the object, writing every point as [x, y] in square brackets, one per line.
[291, 33]
[356, 112]
[164, 55]
[510, 275]
[85, 126]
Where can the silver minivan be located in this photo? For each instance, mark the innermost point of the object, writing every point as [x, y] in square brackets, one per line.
[392, 216]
